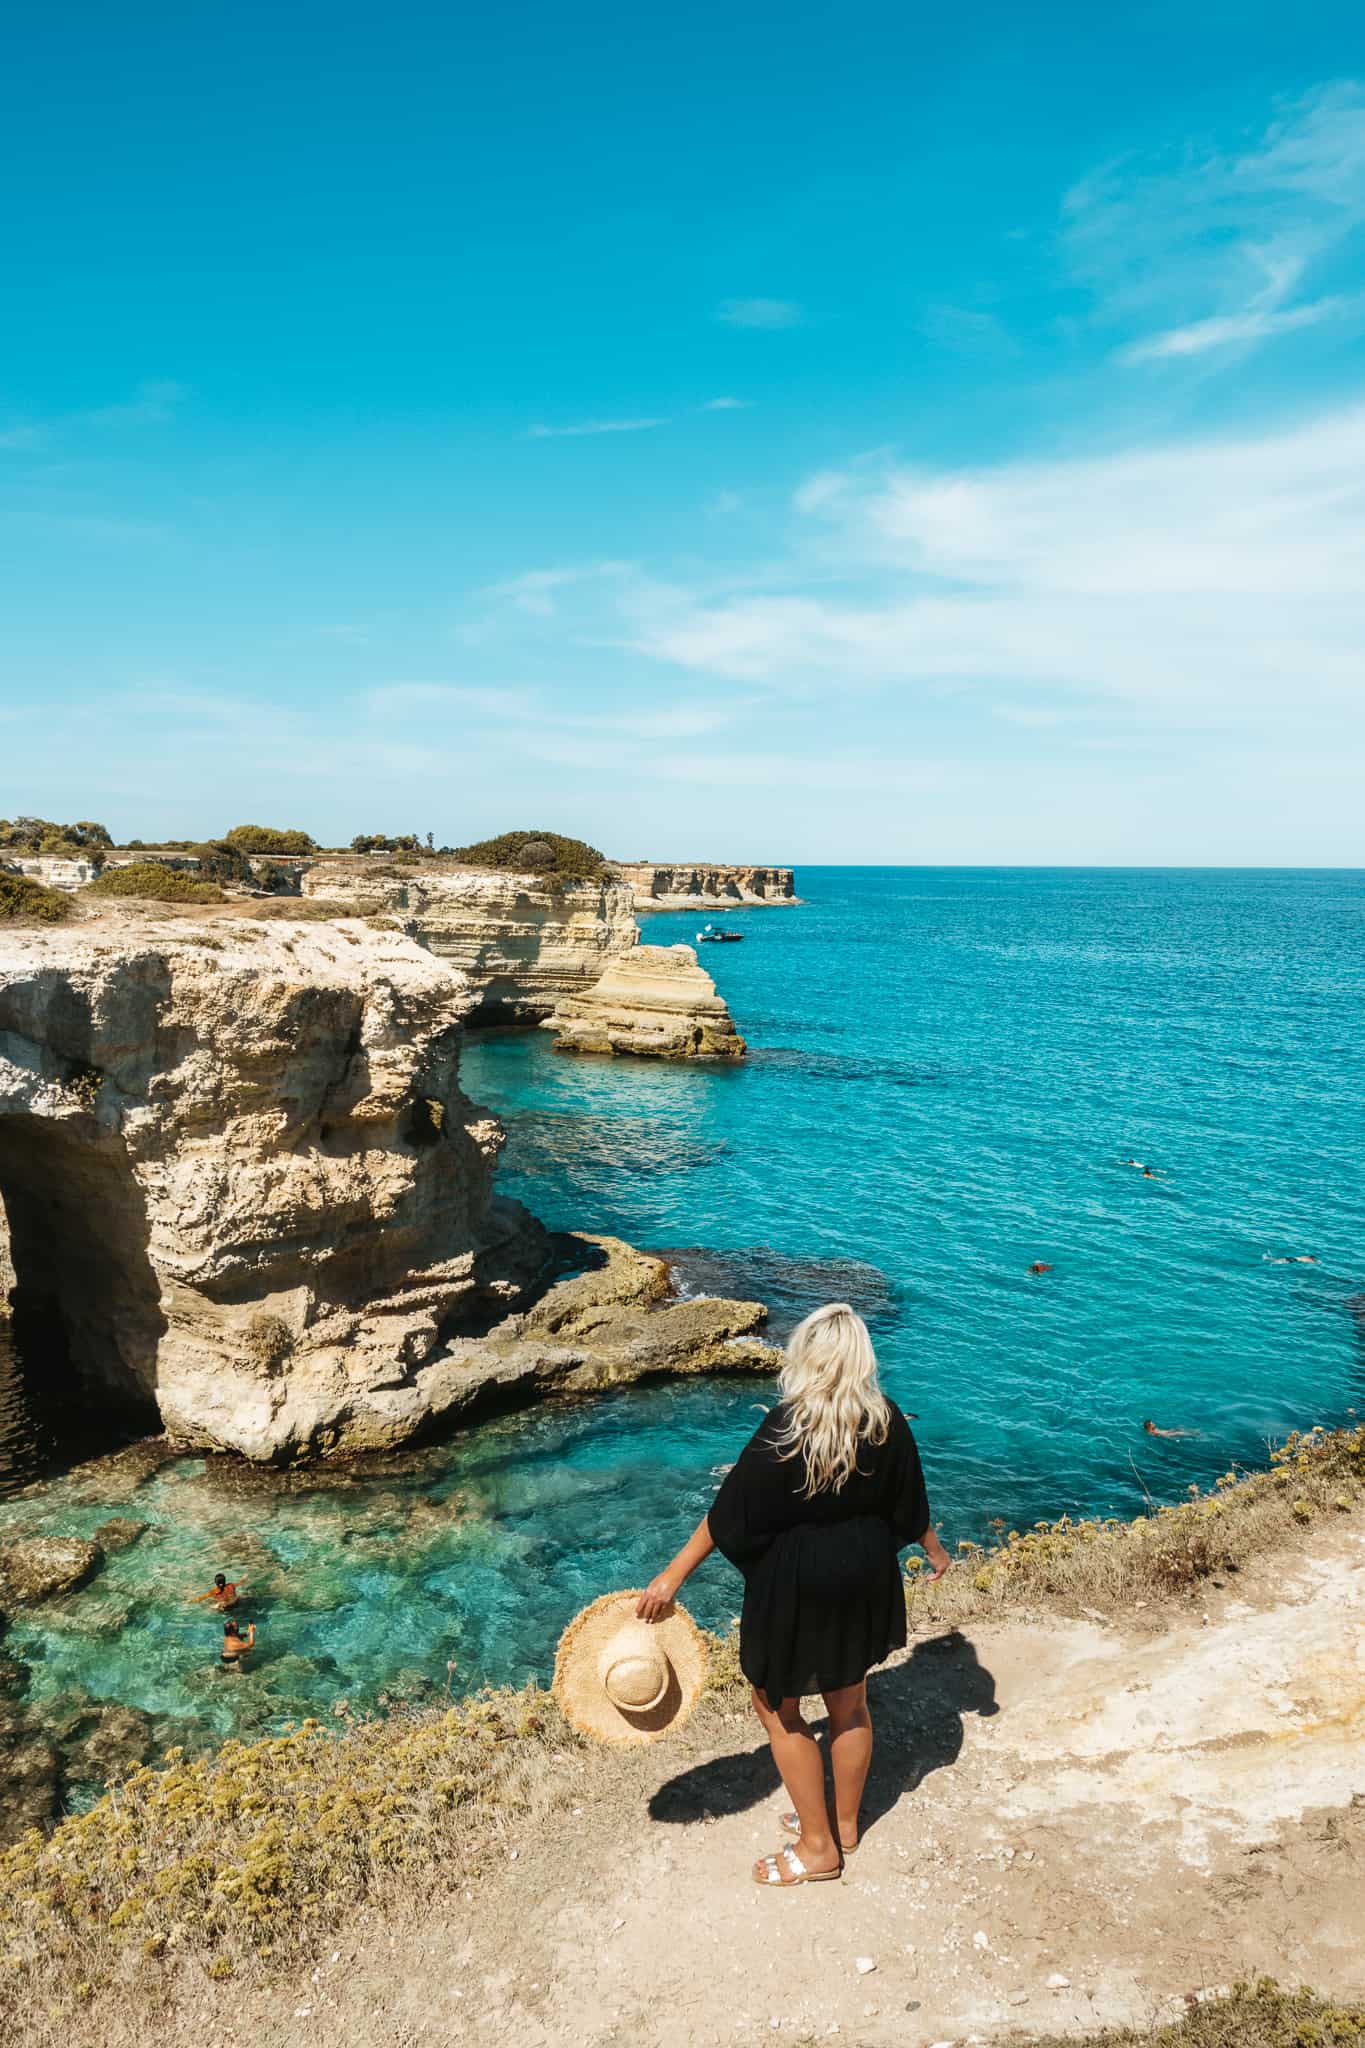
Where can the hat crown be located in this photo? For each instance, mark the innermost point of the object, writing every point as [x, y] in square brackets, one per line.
[634, 1669]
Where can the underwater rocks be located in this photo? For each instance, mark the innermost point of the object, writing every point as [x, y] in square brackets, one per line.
[522, 941]
[706, 886]
[34, 1568]
[244, 1191]
[656, 1002]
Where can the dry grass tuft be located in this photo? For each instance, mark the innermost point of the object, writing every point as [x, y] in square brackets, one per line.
[1111, 1565]
[247, 1855]
[1254, 2016]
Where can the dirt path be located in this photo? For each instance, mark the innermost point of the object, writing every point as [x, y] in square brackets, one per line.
[1073, 1824]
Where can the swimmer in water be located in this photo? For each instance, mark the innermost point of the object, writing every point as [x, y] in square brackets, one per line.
[1298, 1259]
[1152, 1430]
[235, 1644]
[223, 1592]
[1039, 1266]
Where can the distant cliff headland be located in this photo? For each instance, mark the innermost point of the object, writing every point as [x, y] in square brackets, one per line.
[241, 1192]
[707, 885]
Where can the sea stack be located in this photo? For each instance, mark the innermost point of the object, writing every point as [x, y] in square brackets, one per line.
[655, 1002]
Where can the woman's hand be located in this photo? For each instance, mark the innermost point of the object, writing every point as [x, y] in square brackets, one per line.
[937, 1556]
[656, 1599]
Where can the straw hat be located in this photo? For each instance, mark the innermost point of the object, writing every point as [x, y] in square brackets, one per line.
[619, 1679]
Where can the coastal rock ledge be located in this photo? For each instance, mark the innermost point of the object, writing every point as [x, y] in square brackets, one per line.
[706, 885]
[656, 1002]
[243, 1197]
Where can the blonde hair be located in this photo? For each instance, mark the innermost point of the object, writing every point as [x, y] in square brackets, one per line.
[830, 1390]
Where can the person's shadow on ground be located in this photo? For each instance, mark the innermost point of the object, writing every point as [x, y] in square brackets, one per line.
[917, 1714]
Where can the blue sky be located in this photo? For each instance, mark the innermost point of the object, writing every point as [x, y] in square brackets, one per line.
[797, 433]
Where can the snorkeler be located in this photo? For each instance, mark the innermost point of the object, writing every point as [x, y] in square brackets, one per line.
[223, 1592]
[1040, 1266]
[1297, 1259]
[1152, 1430]
[235, 1644]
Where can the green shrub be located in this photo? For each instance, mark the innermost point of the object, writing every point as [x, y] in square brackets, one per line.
[23, 901]
[536, 853]
[41, 835]
[375, 842]
[265, 839]
[150, 882]
[221, 862]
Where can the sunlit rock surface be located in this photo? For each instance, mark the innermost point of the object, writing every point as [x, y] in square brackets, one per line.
[706, 885]
[244, 1192]
[523, 941]
[656, 1002]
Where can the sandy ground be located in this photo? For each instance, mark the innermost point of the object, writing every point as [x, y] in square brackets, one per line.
[1071, 1824]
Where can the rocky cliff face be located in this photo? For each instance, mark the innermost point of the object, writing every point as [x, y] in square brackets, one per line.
[245, 1194]
[243, 1188]
[706, 886]
[656, 1002]
[522, 941]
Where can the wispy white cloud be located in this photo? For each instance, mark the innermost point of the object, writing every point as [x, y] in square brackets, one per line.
[760, 312]
[577, 428]
[154, 401]
[534, 590]
[1199, 580]
[1231, 329]
[1226, 240]
[726, 405]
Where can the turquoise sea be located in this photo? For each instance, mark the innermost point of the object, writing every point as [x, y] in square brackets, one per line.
[949, 1073]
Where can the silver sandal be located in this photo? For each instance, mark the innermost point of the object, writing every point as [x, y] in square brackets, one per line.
[797, 1872]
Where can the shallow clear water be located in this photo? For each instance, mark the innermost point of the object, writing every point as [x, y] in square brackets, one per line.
[948, 1071]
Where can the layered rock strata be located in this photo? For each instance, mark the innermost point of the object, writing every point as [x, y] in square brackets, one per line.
[655, 1002]
[523, 941]
[245, 1195]
[243, 1189]
[706, 886]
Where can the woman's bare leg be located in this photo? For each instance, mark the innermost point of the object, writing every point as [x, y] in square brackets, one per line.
[850, 1750]
[797, 1756]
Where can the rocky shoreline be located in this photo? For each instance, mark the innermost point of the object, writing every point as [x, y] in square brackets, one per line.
[246, 1194]
[708, 885]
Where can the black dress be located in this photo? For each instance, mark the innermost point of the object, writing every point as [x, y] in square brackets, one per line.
[823, 1595]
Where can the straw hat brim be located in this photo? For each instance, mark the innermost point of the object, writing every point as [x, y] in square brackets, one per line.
[584, 1700]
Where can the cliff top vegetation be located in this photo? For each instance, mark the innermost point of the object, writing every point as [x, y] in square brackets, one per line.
[267, 839]
[150, 882]
[24, 901]
[548, 853]
[43, 835]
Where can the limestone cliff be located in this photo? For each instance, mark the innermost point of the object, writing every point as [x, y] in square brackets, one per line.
[704, 885]
[523, 941]
[240, 1178]
[245, 1194]
[656, 1002]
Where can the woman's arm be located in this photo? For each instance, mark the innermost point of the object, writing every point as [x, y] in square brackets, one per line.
[661, 1592]
[938, 1557]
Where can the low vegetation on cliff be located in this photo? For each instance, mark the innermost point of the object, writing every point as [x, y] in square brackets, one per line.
[267, 839]
[82, 841]
[24, 901]
[242, 1861]
[1257, 2015]
[547, 853]
[150, 882]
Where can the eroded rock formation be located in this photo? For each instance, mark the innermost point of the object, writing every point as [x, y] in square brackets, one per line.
[241, 1182]
[246, 1195]
[656, 1002]
[706, 885]
[523, 941]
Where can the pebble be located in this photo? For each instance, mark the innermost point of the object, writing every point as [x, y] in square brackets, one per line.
[1057, 1982]
[981, 1939]
[863, 1964]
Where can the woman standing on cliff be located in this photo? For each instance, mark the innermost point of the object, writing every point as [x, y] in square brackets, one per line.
[825, 1494]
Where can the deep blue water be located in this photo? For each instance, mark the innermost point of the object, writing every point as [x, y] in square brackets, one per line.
[948, 1070]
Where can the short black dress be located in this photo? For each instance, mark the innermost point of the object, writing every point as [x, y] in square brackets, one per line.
[824, 1599]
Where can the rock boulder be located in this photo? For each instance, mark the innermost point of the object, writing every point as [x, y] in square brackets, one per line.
[656, 1002]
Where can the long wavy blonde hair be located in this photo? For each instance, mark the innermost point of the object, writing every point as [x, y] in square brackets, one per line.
[832, 1396]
